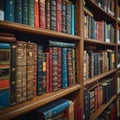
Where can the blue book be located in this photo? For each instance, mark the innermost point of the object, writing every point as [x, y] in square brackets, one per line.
[73, 19]
[61, 44]
[4, 98]
[39, 70]
[4, 45]
[18, 11]
[64, 68]
[52, 109]
[9, 10]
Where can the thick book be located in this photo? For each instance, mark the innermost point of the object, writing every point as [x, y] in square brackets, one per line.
[2, 10]
[58, 15]
[42, 19]
[9, 10]
[25, 12]
[31, 12]
[18, 11]
[52, 109]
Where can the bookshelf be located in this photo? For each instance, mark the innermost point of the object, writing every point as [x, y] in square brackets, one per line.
[83, 43]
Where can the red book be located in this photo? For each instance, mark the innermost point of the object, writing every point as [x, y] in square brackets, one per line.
[4, 84]
[59, 16]
[36, 8]
[42, 22]
[50, 69]
[47, 72]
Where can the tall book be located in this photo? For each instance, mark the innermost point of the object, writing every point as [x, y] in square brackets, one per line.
[39, 69]
[9, 10]
[2, 10]
[53, 14]
[20, 71]
[47, 13]
[31, 12]
[18, 11]
[36, 13]
[73, 19]
[42, 22]
[25, 12]
[58, 15]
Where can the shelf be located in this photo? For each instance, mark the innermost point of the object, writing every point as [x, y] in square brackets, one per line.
[87, 12]
[99, 42]
[13, 111]
[100, 11]
[96, 78]
[101, 109]
[9, 26]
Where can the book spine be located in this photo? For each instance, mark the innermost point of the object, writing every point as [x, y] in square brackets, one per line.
[31, 12]
[44, 72]
[47, 72]
[53, 15]
[54, 68]
[70, 68]
[64, 16]
[64, 68]
[2, 10]
[47, 8]
[36, 13]
[13, 75]
[18, 11]
[59, 67]
[42, 22]
[39, 70]
[50, 68]
[25, 12]
[58, 15]
[73, 19]
[9, 10]
[69, 17]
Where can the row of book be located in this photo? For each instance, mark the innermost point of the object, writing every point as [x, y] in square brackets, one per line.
[97, 62]
[108, 114]
[107, 5]
[61, 109]
[58, 15]
[99, 30]
[28, 69]
[97, 95]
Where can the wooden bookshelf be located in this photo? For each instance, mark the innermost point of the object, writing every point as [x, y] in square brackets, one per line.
[101, 109]
[99, 14]
[14, 111]
[98, 77]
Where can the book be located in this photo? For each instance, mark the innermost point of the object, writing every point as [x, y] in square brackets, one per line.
[18, 11]
[52, 109]
[42, 19]
[73, 19]
[36, 14]
[25, 12]
[2, 10]
[31, 12]
[9, 10]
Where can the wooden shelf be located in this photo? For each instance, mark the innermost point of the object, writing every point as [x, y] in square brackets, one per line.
[100, 11]
[98, 77]
[9, 26]
[102, 108]
[98, 42]
[13, 111]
